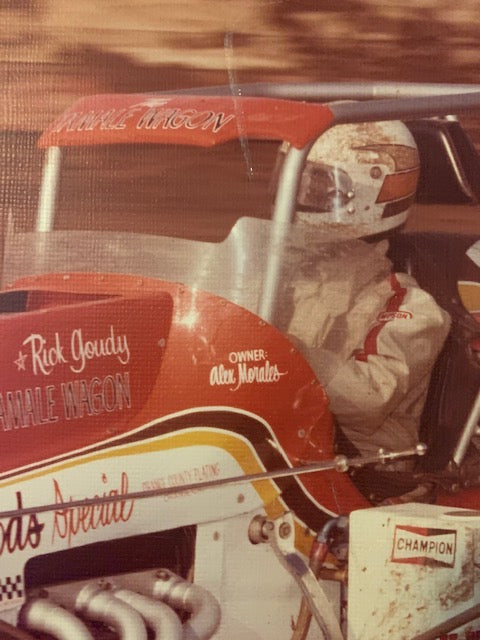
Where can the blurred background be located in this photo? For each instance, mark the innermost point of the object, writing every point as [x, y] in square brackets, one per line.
[54, 51]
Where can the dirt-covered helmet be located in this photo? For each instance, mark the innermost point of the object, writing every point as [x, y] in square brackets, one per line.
[360, 179]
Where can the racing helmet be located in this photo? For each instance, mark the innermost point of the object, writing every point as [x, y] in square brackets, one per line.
[359, 179]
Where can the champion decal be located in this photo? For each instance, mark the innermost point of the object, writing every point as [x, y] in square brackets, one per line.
[423, 546]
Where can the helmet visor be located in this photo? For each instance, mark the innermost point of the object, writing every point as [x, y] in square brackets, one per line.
[324, 188]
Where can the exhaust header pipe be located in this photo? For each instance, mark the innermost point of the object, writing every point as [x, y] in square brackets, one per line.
[158, 616]
[180, 594]
[43, 615]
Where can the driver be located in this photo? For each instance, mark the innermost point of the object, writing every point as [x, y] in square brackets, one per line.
[371, 335]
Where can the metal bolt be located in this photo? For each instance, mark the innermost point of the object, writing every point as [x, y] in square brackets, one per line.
[104, 585]
[240, 498]
[284, 530]
[421, 449]
[341, 464]
[162, 574]
[301, 433]
[256, 530]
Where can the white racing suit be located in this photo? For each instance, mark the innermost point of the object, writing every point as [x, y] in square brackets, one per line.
[372, 337]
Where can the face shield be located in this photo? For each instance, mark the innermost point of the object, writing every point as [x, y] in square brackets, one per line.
[323, 188]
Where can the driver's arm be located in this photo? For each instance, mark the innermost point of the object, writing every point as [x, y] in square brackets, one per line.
[395, 358]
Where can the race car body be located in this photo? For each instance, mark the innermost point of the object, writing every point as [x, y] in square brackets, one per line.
[169, 465]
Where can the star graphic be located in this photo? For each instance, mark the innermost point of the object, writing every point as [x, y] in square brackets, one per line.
[20, 361]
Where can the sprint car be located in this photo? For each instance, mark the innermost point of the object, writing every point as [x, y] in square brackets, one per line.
[168, 464]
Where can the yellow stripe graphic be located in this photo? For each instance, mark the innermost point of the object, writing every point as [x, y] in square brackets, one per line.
[238, 448]
[235, 446]
[470, 295]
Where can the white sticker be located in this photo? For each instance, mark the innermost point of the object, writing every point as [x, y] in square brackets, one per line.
[424, 546]
[474, 253]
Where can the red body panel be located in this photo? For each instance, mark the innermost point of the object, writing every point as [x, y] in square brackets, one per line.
[67, 378]
[213, 354]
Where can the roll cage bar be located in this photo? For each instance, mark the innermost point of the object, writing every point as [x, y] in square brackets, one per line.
[328, 91]
[211, 116]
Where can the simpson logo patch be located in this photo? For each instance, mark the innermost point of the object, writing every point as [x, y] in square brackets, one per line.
[386, 316]
[428, 547]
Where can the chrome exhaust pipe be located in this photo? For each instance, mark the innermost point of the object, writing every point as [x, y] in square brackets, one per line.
[200, 603]
[130, 603]
[158, 616]
[180, 594]
[97, 603]
[43, 615]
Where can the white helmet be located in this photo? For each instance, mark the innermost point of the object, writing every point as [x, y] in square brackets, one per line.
[359, 179]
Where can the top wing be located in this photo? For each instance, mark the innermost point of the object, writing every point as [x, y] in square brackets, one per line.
[207, 120]
[193, 120]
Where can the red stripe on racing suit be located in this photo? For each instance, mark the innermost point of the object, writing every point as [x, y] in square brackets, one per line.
[370, 346]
